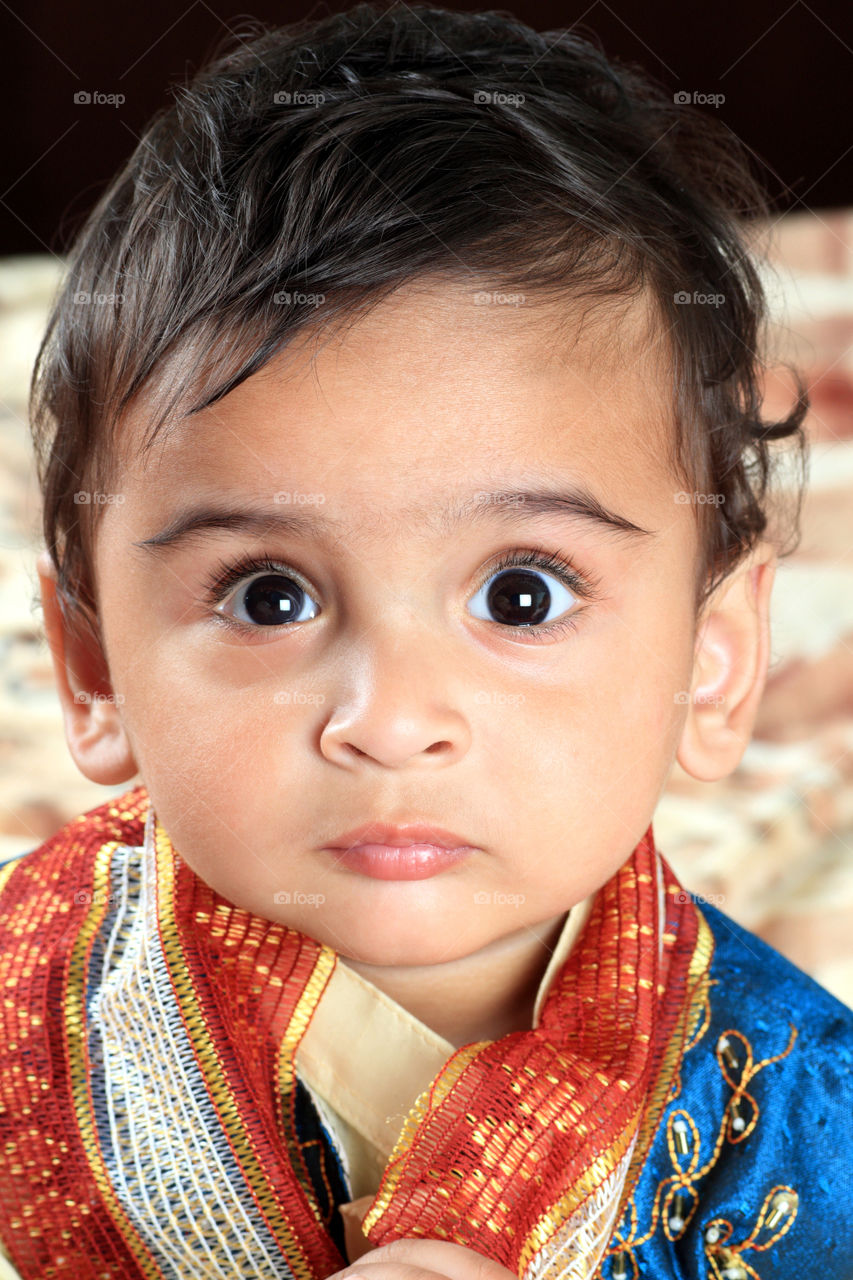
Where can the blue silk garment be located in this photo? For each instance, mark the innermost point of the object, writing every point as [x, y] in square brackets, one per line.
[750, 1174]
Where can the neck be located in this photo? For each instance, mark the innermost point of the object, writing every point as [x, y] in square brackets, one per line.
[479, 997]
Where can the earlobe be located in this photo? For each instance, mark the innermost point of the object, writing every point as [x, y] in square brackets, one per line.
[729, 670]
[94, 729]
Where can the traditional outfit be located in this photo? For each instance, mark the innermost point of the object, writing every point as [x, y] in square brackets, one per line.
[190, 1090]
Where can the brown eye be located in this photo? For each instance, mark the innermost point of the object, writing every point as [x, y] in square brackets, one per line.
[520, 597]
[273, 599]
[264, 594]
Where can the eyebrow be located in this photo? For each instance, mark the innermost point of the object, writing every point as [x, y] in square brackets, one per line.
[505, 506]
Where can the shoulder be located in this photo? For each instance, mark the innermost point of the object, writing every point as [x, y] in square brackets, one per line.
[65, 858]
[753, 976]
[742, 1175]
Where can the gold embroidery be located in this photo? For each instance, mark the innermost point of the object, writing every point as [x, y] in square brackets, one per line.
[676, 1198]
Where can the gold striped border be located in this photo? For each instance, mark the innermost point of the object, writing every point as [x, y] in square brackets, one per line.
[211, 1067]
[559, 1214]
[555, 1217]
[697, 983]
[77, 1055]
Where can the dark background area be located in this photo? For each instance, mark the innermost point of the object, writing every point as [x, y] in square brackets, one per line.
[786, 73]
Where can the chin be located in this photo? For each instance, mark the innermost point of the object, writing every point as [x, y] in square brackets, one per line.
[405, 952]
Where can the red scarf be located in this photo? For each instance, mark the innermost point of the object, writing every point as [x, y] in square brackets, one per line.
[526, 1148]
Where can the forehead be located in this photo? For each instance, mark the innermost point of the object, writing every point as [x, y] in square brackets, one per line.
[430, 387]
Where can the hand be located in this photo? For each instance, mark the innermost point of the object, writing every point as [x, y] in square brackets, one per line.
[416, 1259]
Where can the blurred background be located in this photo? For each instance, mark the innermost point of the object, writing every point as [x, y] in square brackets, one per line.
[773, 844]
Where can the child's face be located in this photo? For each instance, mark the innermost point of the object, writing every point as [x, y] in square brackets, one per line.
[398, 696]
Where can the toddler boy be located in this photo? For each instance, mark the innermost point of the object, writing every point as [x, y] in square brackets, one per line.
[407, 515]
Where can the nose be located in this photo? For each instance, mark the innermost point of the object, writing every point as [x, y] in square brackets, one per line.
[401, 705]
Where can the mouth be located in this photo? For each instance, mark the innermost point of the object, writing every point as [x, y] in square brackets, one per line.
[396, 862]
[414, 851]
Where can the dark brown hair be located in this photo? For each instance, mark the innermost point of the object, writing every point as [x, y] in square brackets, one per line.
[347, 156]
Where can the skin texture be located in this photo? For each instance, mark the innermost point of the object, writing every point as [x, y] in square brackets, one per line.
[415, 1259]
[401, 700]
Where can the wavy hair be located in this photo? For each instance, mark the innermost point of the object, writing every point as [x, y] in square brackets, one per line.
[349, 155]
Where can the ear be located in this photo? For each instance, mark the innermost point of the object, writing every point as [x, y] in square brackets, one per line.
[729, 669]
[94, 729]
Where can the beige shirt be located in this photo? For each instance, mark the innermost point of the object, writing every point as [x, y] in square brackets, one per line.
[365, 1060]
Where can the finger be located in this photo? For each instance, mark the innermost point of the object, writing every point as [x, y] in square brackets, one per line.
[453, 1261]
[387, 1271]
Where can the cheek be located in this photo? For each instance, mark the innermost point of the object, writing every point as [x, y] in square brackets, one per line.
[209, 749]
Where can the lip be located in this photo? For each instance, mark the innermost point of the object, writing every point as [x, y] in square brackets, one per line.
[399, 837]
[400, 862]
[414, 851]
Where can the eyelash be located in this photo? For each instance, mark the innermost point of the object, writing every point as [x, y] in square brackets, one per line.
[227, 574]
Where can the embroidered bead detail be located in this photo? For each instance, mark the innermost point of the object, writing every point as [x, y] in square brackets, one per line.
[680, 1130]
[782, 1203]
[620, 1267]
[775, 1217]
[725, 1049]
